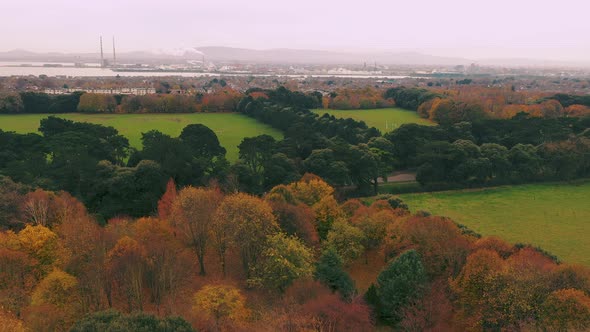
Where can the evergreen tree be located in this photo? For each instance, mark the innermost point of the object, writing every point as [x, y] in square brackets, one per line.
[400, 283]
[330, 272]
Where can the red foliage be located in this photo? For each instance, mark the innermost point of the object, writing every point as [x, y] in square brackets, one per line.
[495, 243]
[165, 203]
[442, 246]
[330, 313]
[297, 220]
[351, 206]
[434, 312]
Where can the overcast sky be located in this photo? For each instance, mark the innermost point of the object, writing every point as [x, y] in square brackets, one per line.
[550, 29]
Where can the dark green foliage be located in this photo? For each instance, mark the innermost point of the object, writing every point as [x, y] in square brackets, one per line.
[408, 139]
[524, 130]
[38, 102]
[87, 161]
[372, 298]
[190, 159]
[323, 163]
[409, 98]
[11, 104]
[114, 321]
[567, 100]
[23, 157]
[330, 272]
[401, 283]
[202, 141]
[132, 191]
[99, 142]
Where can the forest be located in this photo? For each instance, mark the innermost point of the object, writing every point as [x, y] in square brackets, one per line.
[208, 260]
[99, 236]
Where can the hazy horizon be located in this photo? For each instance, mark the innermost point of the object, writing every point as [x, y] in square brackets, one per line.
[455, 28]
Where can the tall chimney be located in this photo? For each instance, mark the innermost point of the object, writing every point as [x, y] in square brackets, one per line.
[114, 53]
[101, 54]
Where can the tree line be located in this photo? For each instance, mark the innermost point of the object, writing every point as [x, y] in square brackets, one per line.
[97, 165]
[218, 100]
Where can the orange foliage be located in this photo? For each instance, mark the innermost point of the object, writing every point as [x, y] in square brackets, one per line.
[567, 310]
[330, 313]
[165, 203]
[440, 243]
[297, 220]
[496, 244]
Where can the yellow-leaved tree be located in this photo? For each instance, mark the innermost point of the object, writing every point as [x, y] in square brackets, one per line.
[222, 303]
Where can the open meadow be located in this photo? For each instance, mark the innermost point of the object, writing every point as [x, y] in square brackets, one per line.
[384, 119]
[230, 128]
[553, 216]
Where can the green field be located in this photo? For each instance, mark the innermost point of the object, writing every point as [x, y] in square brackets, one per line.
[555, 217]
[384, 119]
[231, 128]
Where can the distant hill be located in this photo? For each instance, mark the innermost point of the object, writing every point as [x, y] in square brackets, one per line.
[294, 56]
[280, 56]
[242, 55]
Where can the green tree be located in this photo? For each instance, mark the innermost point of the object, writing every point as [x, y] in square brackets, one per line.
[399, 284]
[330, 272]
[202, 141]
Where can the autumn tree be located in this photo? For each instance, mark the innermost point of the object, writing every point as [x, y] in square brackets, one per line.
[477, 289]
[566, 310]
[284, 260]
[36, 207]
[40, 243]
[95, 102]
[311, 189]
[297, 220]
[223, 303]
[346, 239]
[327, 212]
[252, 221]
[442, 246]
[374, 231]
[84, 242]
[17, 275]
[57, 288]
[165, 203]
[192, 213]
[170, 263]
[10, 323]
[58, 293]
[331, 313]
[127, 263]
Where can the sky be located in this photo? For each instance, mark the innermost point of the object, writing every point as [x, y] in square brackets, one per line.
[543, 29]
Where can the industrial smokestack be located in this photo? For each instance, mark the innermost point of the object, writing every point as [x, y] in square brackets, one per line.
[114, 53]
[101, 53]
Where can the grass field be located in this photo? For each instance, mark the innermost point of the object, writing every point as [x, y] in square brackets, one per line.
[230, 128]
[384, 119]
[555, 217]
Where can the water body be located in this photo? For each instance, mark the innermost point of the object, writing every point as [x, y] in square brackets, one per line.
[67, 69]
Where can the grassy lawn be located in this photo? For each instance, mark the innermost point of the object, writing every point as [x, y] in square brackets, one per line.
[230, 128]
[384, 119]
[555, 217]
